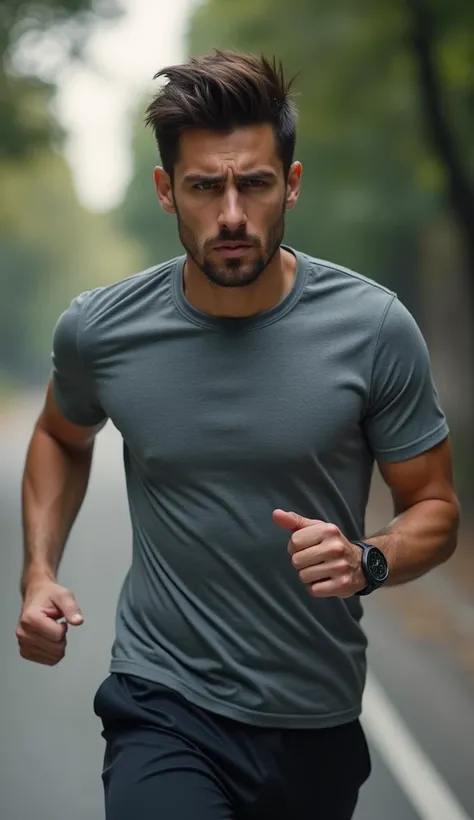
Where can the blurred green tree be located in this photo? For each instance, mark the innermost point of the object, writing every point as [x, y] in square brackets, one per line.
[51, 249]
[442, 45]
[140, 214]
[25, 123]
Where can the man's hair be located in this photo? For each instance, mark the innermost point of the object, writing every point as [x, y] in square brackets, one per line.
[221, 92]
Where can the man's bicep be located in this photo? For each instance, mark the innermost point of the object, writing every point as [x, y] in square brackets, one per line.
[428, 476]
[59, 427]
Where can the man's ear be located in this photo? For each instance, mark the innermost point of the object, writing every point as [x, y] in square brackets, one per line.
[164, 190]
[293, 185]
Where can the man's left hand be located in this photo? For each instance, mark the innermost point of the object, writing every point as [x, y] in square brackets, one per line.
[326, 561]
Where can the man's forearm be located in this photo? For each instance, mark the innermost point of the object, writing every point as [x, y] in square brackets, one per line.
[419, 539]
[54, 485]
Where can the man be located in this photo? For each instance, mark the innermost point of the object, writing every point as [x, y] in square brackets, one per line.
[254, 387]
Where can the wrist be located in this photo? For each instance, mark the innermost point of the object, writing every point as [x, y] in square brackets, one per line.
[374, 567]
[36, 576]
[360, 581]
[388, 543]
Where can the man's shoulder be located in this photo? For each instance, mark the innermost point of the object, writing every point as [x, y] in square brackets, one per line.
[344, 284]
[130, 289]
[124, 298]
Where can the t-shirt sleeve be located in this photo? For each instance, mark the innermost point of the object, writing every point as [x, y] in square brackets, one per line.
[404, 416]
[72, 383]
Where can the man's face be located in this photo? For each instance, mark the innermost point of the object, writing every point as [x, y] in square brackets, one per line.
[230, 196]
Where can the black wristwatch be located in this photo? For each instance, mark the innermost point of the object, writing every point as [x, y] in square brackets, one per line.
[374, 567]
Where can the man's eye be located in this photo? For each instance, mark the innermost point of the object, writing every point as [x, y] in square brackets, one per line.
[210, 185]
[252, 183]
[206, 186]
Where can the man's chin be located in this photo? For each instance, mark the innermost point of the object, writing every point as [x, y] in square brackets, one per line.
[233, 277]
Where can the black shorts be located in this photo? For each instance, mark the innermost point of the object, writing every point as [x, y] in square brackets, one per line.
[167, 759]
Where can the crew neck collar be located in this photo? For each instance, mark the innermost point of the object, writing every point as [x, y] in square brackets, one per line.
[258, 320]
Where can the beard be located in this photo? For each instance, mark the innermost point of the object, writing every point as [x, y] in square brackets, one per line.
[235, 272]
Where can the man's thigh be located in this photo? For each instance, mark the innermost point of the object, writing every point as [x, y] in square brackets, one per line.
[154, 765]
[322, 773]
[154, 776]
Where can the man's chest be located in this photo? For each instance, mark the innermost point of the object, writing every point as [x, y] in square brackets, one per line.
[220, 401]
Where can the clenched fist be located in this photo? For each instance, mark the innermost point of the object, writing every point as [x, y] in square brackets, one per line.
[326, 561]
[40, 637]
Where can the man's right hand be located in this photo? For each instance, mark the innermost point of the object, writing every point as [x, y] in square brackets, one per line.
[40, 637]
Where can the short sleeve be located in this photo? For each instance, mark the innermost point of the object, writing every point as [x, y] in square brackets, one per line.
[72, 384]
[404, 416]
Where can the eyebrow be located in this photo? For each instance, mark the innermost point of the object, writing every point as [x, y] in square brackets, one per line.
[263, 173]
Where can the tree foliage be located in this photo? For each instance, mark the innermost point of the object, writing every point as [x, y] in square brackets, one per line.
[140, 214]
[25, 123]
[51, 249]
[50, 246]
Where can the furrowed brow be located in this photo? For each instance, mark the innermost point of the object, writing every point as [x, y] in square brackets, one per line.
[260, 173]
[195, 177]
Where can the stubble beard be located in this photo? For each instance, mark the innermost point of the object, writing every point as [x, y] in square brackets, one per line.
[233, 274]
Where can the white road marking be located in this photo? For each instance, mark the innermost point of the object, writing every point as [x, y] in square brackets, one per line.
[429, 794]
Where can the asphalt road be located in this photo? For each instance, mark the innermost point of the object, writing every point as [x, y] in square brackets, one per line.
[419, 710]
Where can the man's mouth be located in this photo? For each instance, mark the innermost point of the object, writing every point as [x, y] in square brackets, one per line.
[232, 248]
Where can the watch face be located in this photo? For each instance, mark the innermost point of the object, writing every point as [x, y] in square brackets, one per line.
[377, 564]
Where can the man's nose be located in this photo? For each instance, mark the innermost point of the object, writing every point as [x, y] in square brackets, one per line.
[232, 215]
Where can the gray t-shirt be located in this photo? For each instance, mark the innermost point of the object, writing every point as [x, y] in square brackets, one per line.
[224, 420]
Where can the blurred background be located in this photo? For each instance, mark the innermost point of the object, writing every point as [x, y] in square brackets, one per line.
[386, 100]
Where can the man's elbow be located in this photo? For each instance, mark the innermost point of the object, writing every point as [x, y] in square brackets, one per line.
[452, 512]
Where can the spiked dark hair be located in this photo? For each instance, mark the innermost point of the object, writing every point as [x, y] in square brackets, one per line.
[220, 92]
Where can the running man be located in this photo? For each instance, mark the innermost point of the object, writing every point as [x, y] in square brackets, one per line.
[255, 388]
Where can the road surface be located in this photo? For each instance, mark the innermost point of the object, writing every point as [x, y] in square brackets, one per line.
[419, 706]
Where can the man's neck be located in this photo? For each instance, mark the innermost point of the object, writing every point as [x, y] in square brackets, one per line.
[269, 289]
